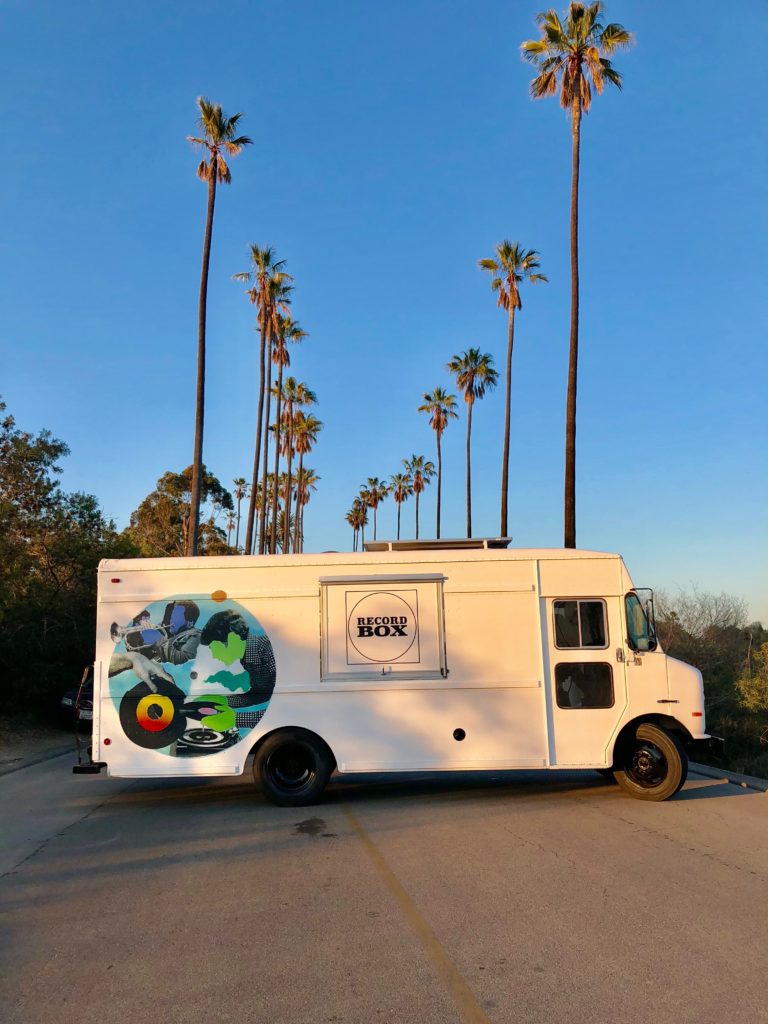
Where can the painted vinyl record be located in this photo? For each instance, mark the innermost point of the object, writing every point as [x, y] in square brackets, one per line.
[205, 741]
[153, 720]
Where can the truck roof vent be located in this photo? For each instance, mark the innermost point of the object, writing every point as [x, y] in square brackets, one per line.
[448, 544]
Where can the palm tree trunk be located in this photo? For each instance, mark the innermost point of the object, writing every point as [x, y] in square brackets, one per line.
[417, 515]
[569, 540]
[273, 537]
[237, 531]
[374, 521]
[507, 417]
[299, 505]
[469, 470]
[267, 392]
[288, 496]
[439, 481]
[398, 520]
[250, 533]
[197, 459]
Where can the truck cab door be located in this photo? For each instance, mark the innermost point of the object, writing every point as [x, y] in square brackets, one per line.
[587, 677]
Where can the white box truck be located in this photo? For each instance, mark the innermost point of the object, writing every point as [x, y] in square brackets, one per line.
[411, 656]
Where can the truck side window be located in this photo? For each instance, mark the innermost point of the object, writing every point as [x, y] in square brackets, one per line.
[580, 624]
[585, 684]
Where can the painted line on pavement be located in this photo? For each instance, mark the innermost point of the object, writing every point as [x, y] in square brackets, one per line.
[468, 1007]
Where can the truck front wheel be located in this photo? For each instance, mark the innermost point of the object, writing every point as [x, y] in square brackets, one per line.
[292, 766]
[652, 765]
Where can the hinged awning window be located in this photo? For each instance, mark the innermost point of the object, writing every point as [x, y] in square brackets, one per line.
[379, 626]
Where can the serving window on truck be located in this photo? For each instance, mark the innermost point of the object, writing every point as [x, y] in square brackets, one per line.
[391, 626]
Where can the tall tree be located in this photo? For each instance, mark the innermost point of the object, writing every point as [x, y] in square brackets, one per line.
[218, 137]
[474, 374]
[306, 429]
[240, 492]
[421, 471]
[511, 265]
[296, 395]
[259, 277]
[289, 332]
[440, 407]
[278, 301]
[401, 488]
[574, 55]
[306, 483]
[373, 492]
[357, 517]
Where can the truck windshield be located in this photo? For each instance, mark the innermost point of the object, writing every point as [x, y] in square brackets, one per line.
[641, 634]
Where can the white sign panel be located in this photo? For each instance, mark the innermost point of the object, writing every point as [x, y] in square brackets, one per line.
[374, 626]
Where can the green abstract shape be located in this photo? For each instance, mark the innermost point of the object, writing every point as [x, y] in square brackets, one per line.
[231, 680]
[223, 719]
[230, 652]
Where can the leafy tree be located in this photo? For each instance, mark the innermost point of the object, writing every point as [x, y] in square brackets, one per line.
[440, 407]
[474, 375]
[159, 526]
[218, 137]
[421, 472]
[357, 517]
[511, 265]
[50, 546]
[752, 683]
[296, 395]
[574, 55]
[306, 483]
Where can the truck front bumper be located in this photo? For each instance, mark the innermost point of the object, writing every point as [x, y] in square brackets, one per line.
[712, 745]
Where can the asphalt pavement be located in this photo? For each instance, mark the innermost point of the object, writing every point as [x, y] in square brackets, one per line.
[533, 897]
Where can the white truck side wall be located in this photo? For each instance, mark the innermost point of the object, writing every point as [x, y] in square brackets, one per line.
[498, 689]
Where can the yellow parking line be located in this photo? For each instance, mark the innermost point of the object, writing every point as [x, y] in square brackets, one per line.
[468, 1007]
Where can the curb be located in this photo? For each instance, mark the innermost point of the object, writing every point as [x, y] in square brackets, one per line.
[46, 755]
[736, 779]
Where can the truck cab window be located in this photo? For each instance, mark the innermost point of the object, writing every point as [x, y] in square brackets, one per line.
[580, 624]
[640, 633]
[584, 685]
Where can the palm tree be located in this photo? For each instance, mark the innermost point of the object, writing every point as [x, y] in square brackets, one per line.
[240, 492]
[440, 407]
[306, 429]
[474, 374]
[401, 487]
[306, 483]
[264, 266]
[511, 265]
[230, 528]
[573, 54]
[289, 331]
[357, 517]
[373, 493]
[421, 472]
[278, 301]
[218, 137]
[295, 395]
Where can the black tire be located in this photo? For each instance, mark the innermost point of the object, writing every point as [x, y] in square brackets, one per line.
[653, 764]
[292, 767]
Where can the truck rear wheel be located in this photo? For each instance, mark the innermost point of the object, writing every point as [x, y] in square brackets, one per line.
[292, 766]
[653, 764]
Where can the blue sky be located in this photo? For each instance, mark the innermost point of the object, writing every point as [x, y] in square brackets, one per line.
[394, 145]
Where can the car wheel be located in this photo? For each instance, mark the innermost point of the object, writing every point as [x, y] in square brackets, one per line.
[653, 764]
[292, 766]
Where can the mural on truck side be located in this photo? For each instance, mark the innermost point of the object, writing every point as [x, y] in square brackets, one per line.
[191, 675]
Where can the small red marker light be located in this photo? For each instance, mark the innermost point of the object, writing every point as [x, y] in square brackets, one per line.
[107, 741]
[698, 714]
[115, 579]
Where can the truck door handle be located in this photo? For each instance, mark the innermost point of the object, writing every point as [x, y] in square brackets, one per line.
[619, 654]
